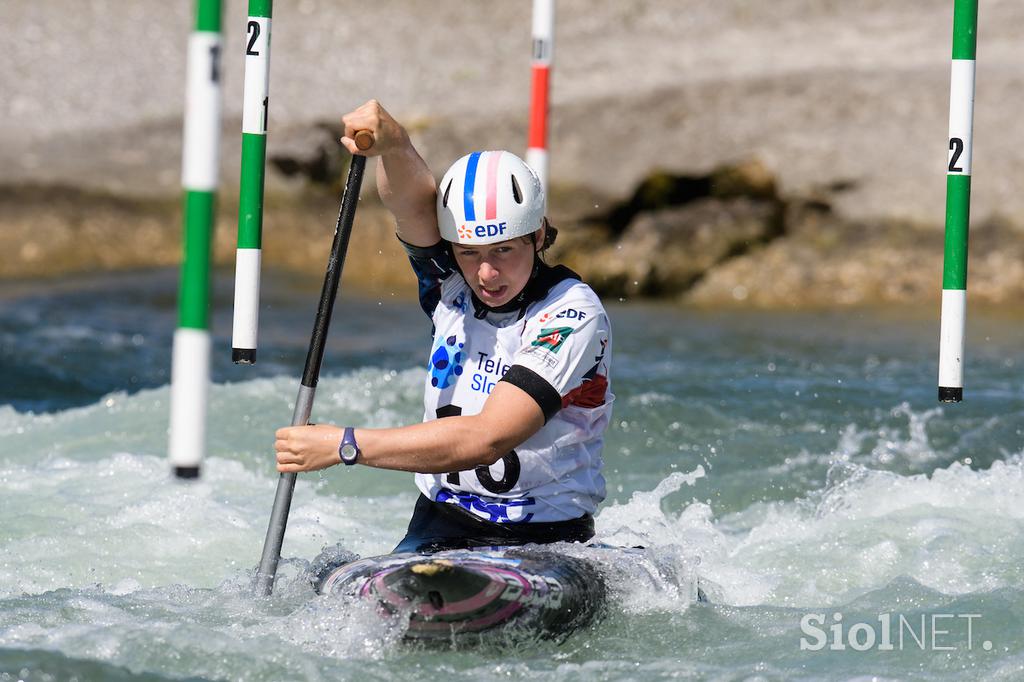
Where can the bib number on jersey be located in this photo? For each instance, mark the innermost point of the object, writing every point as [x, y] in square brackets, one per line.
[483, 473]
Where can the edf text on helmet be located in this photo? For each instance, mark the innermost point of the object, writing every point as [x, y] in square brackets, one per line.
[490, 230]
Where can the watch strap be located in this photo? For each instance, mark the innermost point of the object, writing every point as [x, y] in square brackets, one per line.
[348, 439]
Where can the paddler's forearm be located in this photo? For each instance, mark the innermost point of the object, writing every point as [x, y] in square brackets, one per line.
[508, 418]
[404, 182]
[434, 447]
[407, 189]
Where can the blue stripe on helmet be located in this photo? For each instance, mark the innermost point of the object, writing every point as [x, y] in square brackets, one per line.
[467, 195]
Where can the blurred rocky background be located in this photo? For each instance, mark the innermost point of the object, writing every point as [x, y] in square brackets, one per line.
[718, 152]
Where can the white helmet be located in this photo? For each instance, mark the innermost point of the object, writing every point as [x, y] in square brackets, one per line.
[488, 197]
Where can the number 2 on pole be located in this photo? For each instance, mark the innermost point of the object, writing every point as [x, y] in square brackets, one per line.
[956, 145]
[254, 29]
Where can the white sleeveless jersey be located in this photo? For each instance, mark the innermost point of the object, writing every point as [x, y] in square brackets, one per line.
[564, 339]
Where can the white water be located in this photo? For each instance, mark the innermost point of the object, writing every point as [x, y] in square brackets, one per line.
[786, 465]
[106, 557]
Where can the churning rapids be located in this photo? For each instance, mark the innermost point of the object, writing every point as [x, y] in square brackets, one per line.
[795, 464]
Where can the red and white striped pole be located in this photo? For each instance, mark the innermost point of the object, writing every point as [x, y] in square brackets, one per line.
[543, 54]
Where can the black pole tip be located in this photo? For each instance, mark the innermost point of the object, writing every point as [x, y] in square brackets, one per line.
[186, 472]
[243, 356]
[949, 394]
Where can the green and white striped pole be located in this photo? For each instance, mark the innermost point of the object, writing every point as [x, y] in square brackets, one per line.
[255, 110]
[190, 363]
[958, 202]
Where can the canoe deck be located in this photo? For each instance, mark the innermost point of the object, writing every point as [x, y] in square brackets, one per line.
[505, 592]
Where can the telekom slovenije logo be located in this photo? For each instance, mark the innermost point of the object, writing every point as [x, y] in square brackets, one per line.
[446, 361]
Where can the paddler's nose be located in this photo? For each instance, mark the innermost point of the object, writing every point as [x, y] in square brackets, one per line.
[487, 273]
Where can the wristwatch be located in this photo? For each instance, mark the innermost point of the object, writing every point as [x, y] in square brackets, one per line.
[348, 450]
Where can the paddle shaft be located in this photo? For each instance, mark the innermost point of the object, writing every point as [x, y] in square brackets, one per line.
[311, 374]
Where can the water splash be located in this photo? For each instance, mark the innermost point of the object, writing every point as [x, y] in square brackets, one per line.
[956, 531]
[660, 572]
[906, 443]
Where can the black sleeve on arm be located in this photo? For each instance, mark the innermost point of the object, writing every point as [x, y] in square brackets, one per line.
[432, 265]
[425, 252]
[537, 387]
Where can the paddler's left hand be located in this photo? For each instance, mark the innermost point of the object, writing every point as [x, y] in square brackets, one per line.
[307, 448]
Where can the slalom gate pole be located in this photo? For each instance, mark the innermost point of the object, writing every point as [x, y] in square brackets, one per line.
[958, 202]
[543, 55]
[255, 110]
[311, 374]
[190, 361]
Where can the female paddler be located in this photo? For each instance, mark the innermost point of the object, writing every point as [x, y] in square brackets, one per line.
[517, 396]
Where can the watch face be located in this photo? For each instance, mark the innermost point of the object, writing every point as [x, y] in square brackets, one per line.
[348, 452]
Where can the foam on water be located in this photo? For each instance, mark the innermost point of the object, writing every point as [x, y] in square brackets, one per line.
[101, 463]
[89, 500]
[956, 531]
[122, 520]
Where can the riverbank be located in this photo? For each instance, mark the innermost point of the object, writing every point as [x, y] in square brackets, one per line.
[709, 246]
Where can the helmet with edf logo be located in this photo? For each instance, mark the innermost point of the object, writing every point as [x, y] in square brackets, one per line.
[488, 197]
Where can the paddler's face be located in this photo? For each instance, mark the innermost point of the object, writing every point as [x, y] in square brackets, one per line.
[497, 272]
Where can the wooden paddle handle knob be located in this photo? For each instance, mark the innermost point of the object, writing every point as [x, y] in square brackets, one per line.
[363, 140]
